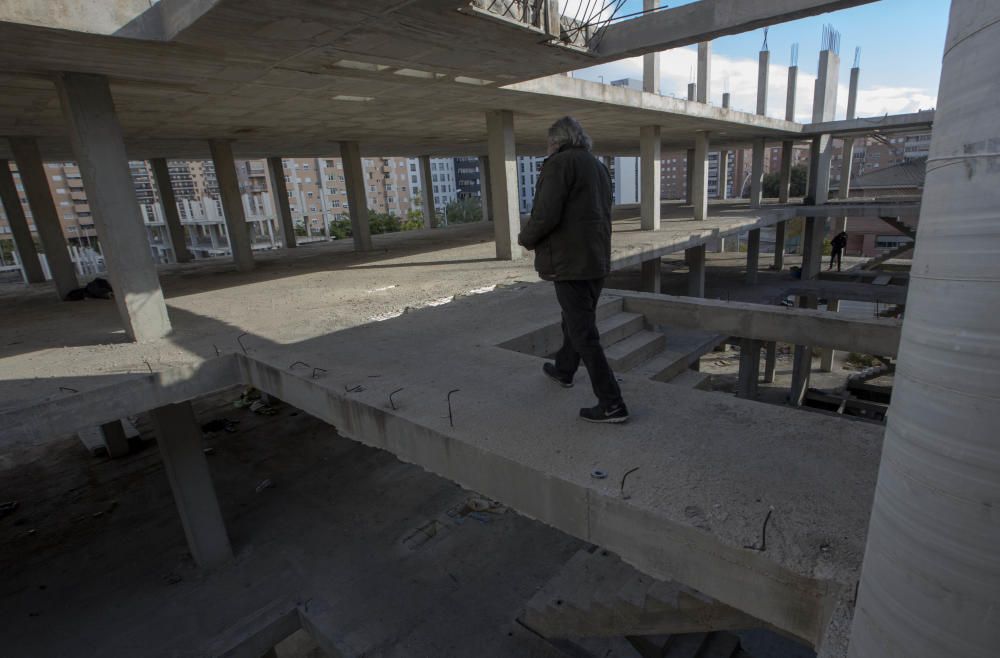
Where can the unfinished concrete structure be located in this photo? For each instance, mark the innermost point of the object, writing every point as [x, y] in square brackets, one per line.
[751, 515]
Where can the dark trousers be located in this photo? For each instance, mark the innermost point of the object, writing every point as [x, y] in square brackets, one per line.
[835, 255]
[581, 341]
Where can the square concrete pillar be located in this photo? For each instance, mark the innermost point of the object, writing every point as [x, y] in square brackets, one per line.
[770, 361]
[753, 256]
[801, 362]
[651, 61]
[115, 439]
[485, 198]
[427, 192]
[25, 244]
[749, 373]
[161, 173]
[651, 275]
[503, 183]
[827, 354]
[704, 71]
[43, 211]
[763, 71]
[99, 146]
[757, 173]
[232, 204]
[695, 258]
[812, 247]
[779, 246]
[357, 198]
[179, 438]
[699, 178]
[785, 182]
[723, 174]
[282, 208]
[649, 184]
[820, 157]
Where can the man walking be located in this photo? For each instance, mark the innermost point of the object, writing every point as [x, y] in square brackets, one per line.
[837, 247]
[570, 233]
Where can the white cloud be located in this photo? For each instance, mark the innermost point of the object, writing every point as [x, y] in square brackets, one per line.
[739, 77]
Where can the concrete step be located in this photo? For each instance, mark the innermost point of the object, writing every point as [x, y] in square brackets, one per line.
[680, 350]
[690, 379]
[619, 327]
[637, 348]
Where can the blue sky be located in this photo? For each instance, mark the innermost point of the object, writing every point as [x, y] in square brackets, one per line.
[901, 46]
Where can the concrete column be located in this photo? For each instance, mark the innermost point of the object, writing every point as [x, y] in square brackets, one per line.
[161, 173]
[43, 212]
[357, 198]
[99, 146]
[427, 192]
[723, 173]
[931, 577]
[115, 439]
[779, 246]
[725, 100]
[827, 355]
[763, 69]
[770, 361]
[704, 70]
[749, 373]
[282, 208]
[788, 145]
[848, 150]
[695, 258]
[485, 198]
[812, 247]
[689, 167]
[785, 184]
[651, 275]
[232, 204]
[699, 179]
[651, 61]
[18, 223]
[753, 256]
[824, 108]
[801, 362]
[757, 173]
[179, 438]
[503, 183]
[649, 184]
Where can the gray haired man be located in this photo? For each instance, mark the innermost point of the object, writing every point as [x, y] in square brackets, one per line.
[570, 233]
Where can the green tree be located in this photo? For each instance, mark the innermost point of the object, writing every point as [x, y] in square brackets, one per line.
[414, 220]
[382, 222]
[464, 211]
[772, 182]
[340, 228]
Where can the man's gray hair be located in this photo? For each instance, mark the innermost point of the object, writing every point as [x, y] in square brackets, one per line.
[568, 131]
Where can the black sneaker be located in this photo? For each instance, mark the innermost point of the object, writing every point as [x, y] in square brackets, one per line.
[615, 414]
[556, 376]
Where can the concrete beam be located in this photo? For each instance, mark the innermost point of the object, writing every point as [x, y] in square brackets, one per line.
[699, 177]
[232, 204]
[704, 21]
[357, 198]
[282, 208]
[503, 183]
[161, 174]
[866, 126]
[100, 152]
[427, 192]
[179, 438]
[43, 212]
[649, 184]
[766, 323]
[25, 244]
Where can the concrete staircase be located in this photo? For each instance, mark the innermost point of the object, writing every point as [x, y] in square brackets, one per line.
[900, 226]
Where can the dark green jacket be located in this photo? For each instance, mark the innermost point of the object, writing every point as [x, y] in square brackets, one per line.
[570, 226]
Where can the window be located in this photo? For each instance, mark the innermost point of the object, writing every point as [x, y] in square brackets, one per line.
[57, 178]
[305, 166]
[335, 203]
[60, 190]
[414, 181]
[413, 167]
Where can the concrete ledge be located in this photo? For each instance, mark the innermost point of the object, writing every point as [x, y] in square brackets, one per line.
[768, 323]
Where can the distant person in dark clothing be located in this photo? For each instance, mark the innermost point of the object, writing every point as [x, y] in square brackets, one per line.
[837, 247]
[570, 233]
